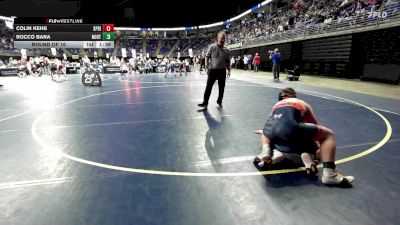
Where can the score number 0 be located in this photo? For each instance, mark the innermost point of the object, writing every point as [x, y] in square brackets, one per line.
[108, 27]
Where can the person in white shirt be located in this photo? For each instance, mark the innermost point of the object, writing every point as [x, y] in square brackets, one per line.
[232, 61]
[245, 61]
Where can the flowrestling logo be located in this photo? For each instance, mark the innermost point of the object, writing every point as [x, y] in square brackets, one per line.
[58, 21]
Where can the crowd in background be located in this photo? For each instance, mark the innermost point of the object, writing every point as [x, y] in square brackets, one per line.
[300, 13]
[303, 13]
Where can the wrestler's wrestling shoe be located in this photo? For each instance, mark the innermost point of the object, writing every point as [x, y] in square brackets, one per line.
[333, 177]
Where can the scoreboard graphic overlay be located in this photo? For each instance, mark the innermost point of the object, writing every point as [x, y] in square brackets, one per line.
[61, 33]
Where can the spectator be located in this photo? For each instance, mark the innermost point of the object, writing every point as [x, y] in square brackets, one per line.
[245, 62]
[275, 56]
[232, 61]
[249, 60]
[237, 63]
[256, 62]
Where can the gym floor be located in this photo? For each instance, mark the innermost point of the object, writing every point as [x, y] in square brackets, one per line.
[138, 151]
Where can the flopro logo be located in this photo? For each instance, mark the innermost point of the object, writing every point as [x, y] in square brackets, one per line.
[374, 15]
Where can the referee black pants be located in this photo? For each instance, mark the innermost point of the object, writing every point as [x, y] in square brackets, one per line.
[215, 74]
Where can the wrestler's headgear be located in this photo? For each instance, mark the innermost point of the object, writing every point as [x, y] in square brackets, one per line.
[287, 93]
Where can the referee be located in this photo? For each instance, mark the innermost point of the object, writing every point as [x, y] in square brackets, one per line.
[217, 62]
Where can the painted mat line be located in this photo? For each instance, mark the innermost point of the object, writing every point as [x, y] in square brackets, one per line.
[44, 144]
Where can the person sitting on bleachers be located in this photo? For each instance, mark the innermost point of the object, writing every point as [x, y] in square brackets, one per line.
[293, 74]
[124, 68]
